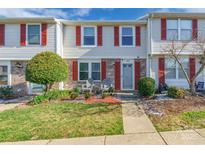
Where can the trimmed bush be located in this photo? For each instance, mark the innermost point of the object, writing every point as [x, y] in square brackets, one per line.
[6, 92]
[175, 92]
[46, 68]
[73, 95]
[146, 86]
[87, 95]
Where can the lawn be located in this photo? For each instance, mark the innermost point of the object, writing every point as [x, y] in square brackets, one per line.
[60, 120]
[178, 114]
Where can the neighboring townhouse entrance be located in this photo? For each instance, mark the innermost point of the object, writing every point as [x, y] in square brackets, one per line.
[127, 75]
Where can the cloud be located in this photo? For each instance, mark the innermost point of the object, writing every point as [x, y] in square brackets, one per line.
[57, 13]
[80, 12]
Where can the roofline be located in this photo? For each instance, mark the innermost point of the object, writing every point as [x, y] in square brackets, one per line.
[177, 14]
[28, 19]
[104, 22]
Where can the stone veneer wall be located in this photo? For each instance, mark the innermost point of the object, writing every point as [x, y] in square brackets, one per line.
[18, 77]
[110, 66]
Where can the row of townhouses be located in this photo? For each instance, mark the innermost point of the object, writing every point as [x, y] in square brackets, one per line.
[122, 51]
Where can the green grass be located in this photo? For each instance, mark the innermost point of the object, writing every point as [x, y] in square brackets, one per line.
[60, 120]
[185, 120]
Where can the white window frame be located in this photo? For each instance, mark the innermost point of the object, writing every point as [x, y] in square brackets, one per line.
[95, 35]
[27, 43]
[179, 29]
[8, 64]
[177, 71]
[133, 34]
[89, 68]
[177, 20]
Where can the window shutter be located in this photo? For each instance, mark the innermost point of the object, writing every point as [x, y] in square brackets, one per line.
[78, 35]
[43, 34]
[75, 70]
[116, 36]
[23, 34]
[117, 75]
[137, 73]
[103, 69]
[163, 29]
[99, 31]
[192, 68]
[194, 29]
[161, 70]
[2, 34]
[138, 35]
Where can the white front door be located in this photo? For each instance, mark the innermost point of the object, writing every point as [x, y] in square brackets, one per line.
[127, 76]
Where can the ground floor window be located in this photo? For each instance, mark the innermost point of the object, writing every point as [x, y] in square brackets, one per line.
[3, 75]
[174, 71]
[89, 70]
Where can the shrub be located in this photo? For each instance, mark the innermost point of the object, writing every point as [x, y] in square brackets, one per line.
[46, 68]
[6, 92]
[105, 94]
[146, 86]
[50, 95]
[175, 92]
[111, 90]
[73, 95]
[76, 90]
[87, 95]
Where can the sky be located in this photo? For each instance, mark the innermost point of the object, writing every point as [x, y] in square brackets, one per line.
[90, 14]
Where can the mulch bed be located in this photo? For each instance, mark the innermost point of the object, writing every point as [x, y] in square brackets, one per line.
[108, 99]
[176, 106]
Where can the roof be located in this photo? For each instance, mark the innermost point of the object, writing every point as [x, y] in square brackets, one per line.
[177, 14]
[28, 20]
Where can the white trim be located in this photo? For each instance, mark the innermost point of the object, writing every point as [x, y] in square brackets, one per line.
[89, 68]
[33, 45]
[133, 36]
[127, 61]
[82, 36]
[8, 64]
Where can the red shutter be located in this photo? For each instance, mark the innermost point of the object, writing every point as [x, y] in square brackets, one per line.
[103, 69]
[192, 67]
[78, 35]
[117, 75]
[43, 34]
[161, 72]
[163, 29]
[137, 73]
[99, 29]
[75, 70]
[23, 35]
[2, 34]
[116, 35]
[138, 35]
[194, 29]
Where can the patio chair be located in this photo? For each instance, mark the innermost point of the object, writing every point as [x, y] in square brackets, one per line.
[88, 86]
[106, 84]
[199, 86]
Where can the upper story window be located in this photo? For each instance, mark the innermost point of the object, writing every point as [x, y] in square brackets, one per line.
[89, 36]
[33, 36]
[186, 30]
[179, 29]
[172, 29]
[127, 36]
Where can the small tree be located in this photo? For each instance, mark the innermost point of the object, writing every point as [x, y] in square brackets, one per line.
[46, 68]
[175, 49]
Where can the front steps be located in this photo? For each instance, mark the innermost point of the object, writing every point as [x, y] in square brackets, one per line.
[127, 97]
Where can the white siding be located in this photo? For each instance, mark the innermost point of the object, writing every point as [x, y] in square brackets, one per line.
[13, 50]
[158, 44]
[108, 50]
